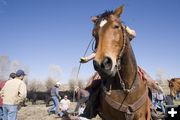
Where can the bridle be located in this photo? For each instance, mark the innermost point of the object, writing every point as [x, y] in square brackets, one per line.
[118, 63]
[118, 67]
[127, 109]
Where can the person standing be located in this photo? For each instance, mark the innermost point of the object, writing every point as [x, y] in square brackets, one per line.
[160, 101]
[82, 96]
[2, 83]
[14, 93]
[55, 98]
[12, 76]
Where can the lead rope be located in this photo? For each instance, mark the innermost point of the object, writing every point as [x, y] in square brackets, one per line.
[80, 64]
[84, 56]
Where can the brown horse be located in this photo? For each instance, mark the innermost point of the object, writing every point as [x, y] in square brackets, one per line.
[123, 94]
[174, 85]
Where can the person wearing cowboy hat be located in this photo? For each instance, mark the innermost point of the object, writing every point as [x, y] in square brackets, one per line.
[55, 98]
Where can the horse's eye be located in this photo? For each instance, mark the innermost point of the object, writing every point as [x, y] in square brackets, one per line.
[94, 33]
[171, 85]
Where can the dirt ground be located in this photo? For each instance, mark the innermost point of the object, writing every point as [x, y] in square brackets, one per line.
[39, 112]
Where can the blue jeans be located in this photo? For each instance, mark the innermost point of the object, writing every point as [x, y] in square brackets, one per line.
[55, 107]
[1, 113]
[160, 103]
[10, 112]
[162, 107]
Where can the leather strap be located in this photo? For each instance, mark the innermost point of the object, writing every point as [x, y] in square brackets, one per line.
[129, 109]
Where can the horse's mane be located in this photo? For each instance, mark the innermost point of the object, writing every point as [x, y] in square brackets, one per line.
[104, 15]
[176, 79]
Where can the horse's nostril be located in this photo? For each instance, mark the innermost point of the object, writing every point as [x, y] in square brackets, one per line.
[107, 64]
[96, 65]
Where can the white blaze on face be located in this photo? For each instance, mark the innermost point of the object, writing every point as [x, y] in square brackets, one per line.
[103, 22]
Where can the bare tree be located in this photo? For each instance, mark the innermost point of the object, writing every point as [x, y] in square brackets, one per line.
[4, 67]
[55, 72]
[50, 83]
[7, 67]
[80, 84]
[74, 80]
[71, 84]
[35, 86]
[32, 86]
[161, 76]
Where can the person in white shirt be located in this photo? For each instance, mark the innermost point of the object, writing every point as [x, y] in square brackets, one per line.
[64, 106]
[160, 99]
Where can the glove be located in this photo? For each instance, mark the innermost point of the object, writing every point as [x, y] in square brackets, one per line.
[59, 98]
[83, 60]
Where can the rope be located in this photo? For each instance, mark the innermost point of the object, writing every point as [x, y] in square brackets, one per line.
[83, 56]
[93, 46]
[80, 64]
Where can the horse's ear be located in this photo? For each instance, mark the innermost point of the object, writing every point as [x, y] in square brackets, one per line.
[119, 11]
[94, 19]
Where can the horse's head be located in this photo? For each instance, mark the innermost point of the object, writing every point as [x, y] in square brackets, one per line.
[108, 32]
[172, 87]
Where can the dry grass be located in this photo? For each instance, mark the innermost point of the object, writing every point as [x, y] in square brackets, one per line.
[39, 112]
[176, 102]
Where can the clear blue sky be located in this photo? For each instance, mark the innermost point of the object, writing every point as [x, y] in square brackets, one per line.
[40, 33]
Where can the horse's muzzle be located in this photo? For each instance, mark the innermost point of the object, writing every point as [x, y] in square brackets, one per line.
[105, 67]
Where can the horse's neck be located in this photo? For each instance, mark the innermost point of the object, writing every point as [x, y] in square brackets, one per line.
[128, 64]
